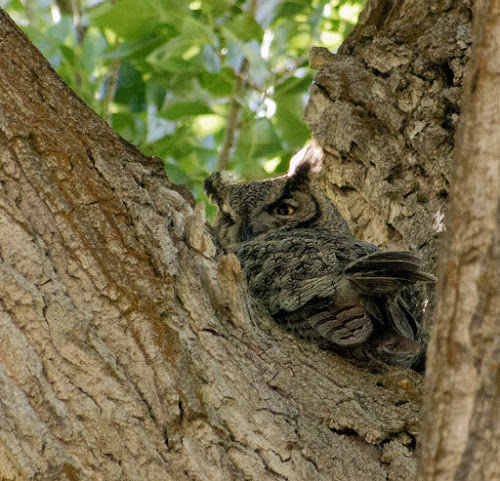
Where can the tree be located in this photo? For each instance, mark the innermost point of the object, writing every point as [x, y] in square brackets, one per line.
[218, 76]
[128, 352]
[461, 436]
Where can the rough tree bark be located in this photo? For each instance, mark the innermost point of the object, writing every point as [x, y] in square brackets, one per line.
[461, 439]
[386, 107]
[129, 352]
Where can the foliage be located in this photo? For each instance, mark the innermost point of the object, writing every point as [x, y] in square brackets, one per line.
[166, 73]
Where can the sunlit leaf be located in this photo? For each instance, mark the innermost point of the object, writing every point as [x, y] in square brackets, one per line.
[133, 19]
[185, 109]
[204, 125]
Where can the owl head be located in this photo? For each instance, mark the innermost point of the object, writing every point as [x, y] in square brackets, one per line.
[293, 201]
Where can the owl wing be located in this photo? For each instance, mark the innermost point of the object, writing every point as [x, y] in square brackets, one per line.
[286, 271]
[332, 288]
[346, 328]
[299, 278]
[386, 282]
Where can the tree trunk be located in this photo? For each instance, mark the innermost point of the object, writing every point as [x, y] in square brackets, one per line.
[461, 439]
[386, 107]
[130, 353]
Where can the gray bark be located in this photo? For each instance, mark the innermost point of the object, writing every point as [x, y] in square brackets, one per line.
[127, 352]
[461, 438]
[386, 107]
[130, 352]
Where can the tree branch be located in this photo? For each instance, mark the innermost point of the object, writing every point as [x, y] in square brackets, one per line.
[235, 106]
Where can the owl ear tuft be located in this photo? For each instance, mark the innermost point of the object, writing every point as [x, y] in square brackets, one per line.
[216, 186]
[306, 163]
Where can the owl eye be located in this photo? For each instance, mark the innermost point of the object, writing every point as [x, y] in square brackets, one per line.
[283, 208]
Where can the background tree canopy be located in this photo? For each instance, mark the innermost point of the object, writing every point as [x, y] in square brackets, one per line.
[204, 84]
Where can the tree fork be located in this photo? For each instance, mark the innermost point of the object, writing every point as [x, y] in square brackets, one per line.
[127, 352]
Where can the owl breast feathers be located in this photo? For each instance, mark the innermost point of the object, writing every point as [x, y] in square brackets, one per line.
[302, 262]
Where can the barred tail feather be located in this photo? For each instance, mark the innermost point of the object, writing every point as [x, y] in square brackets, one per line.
[384, 272]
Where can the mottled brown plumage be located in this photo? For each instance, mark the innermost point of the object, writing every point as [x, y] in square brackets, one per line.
[303, 263]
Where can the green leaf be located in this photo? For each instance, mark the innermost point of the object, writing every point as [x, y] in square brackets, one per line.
[257, 67]
[257, 140]
[217, 8]
[205, 125]
[12, 5]
[245, 28]
[292, 8]
[293, 85]
[211, 60]
[177, 56]
[218, 85]
[300, 42]
[290, 123]
[176, 174]
[130, 88]
[93, 47]
[196, 33]
[137, 48]
[63, 31]
[185, 109]
[235, 54]
[131, 19]
[130, 126]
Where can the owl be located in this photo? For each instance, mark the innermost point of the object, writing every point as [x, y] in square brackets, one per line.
[301, 260]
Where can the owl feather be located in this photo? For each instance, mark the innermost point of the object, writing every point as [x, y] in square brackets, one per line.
[302, 262]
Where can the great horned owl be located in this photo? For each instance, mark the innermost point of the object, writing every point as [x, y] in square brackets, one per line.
[302, 261]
